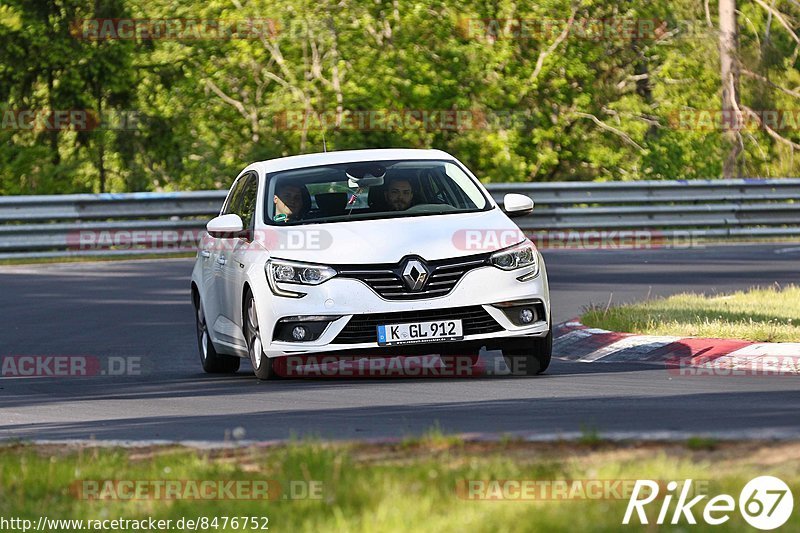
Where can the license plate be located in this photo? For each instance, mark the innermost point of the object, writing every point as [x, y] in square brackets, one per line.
[419, 332]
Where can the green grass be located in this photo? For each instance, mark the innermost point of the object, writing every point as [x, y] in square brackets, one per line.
[434, 439]
[760, 315]
[701, 443]
[404, 487]
[590, 437]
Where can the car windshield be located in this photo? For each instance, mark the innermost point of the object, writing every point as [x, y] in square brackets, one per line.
[370, 190]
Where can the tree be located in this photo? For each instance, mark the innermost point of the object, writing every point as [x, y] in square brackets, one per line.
[729, 76]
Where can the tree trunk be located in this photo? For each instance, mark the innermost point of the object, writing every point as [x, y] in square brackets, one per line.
[55, 156]
[101, 149]
[729, 76]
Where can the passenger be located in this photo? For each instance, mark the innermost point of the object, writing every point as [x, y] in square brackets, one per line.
[399, 195]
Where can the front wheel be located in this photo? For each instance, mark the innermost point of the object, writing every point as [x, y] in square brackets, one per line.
[262, 365]
[213, 363]
[528, 356]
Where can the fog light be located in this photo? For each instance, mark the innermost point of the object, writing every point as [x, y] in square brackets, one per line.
[299, 333]
[526, 316]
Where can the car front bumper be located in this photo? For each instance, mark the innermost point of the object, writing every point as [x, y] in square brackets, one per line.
[348, 299]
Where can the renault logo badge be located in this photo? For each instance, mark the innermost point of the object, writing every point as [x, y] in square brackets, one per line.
[415, 274]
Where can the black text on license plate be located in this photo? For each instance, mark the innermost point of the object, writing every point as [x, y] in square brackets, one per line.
[418, 332]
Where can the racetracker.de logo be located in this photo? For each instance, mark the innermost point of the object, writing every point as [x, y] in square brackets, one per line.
[174, 29]
[548, 29]
[487, 240]
[382, 120]
[69, 366]
[748, 120]
[38, 120]
[548, 489]
[398, 366]
[732, 366]
[355, 366]
[295, 239]
[196, 489]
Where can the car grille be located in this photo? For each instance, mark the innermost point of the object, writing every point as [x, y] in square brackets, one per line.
[363, 328]
[386, 279]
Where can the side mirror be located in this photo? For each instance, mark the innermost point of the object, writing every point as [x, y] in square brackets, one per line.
[225, 226]
[517, 205]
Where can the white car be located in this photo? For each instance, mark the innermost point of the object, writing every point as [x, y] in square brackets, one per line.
[368, 253]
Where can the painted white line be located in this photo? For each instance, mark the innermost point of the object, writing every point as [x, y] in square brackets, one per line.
[775, 349]
[776, 358]
[640, 350]
[597, 331]
[572, 337]
[642, 344]
[787, 250]
[779, 358]
[562, 346]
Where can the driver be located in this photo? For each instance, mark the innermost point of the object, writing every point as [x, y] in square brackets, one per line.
[289, 202]
[399, 195]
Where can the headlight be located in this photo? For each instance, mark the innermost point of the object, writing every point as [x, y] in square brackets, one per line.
[280, 271]
[518, 256]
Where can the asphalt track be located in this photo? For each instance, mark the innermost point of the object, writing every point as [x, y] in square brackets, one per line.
[141, 309]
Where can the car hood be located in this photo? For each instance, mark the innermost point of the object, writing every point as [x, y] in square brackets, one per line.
[388, 240]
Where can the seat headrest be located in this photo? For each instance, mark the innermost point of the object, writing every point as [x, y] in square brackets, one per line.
[331, 203]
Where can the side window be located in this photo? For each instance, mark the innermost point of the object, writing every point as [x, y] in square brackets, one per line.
[469, 195]
[247, 205]
[234, 195]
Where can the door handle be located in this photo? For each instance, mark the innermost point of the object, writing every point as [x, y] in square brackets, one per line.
[221, 260]
[205, 253]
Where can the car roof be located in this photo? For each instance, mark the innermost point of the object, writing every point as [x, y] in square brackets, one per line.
[346, 156]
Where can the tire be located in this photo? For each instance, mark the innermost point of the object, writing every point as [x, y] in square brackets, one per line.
[262, 365]
[459, 359]
[213, 363]
[528, 356]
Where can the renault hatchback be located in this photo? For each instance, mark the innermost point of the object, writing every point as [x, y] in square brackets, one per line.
[369, 253]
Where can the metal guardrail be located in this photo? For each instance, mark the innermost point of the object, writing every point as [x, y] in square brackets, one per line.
[51, 226]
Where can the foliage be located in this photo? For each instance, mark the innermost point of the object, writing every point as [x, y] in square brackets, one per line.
[542, 106]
